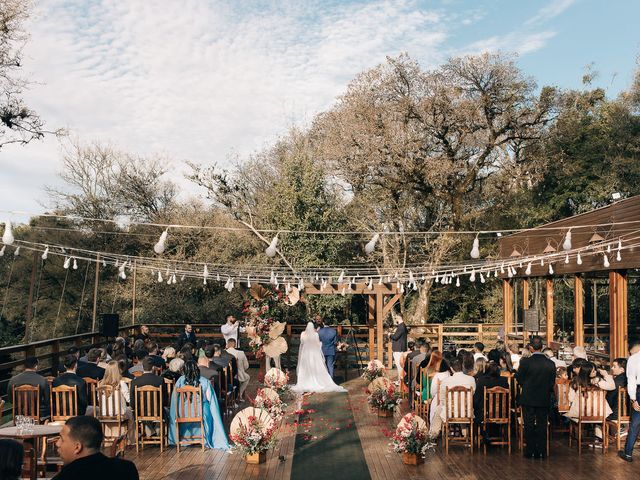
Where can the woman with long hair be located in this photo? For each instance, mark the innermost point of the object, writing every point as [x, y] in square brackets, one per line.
[113, 378]
[214, 434]
[443, 372]
[113, 406]
[433, 367]
[588, 375]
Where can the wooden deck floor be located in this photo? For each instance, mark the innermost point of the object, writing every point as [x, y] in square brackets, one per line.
[564, 463]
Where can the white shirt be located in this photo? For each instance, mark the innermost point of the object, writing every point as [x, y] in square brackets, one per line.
[243, 363]
[478, 355]
[633, 375]
[230, 330]
[458, 379]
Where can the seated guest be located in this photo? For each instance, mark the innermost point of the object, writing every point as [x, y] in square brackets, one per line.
[119, 347]
[434, 362]
[205, 370]
[139, 345]
[208, 353]
[79, 446]
[468, 362]
[174, 371]
[587, 376]
[75, 351]
[504, 362]
[526, 352]
[619, 371]
[90, 368]
[186, 352]
[512, 350]
[413, 349]
[574, 369]
[30, 376]
[243, 366]
[491, 379]
[156, 359]
[70, 379]
[187, 336]
[123, 365]
[138, 355]
[459, 378]
[11, 458]
[478, 351]
[561, 372]
[479, 367]
[495, 352]
[169, 354]
[552, 356]
[148, 378]
[214, 434]
[104, 358]
[218, 358]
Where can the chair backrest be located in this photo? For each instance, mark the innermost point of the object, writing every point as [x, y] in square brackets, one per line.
[168, 383]
[423, 380]
[562, 394]
[110, 403]
[29, 462]
[497, 403]
[188, 404]
[148, 403]
[459, 403]
[623, 405]
[26, 401]
[591, 404]
[64, 403]
[92, 389]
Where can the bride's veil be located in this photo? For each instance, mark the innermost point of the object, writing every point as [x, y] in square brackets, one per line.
[305, 336]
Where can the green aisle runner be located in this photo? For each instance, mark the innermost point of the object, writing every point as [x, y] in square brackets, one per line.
[327, 443]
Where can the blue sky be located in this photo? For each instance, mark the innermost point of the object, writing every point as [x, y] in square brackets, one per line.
[213, 81]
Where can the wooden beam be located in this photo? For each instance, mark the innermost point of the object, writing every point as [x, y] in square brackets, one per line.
[507, 306]
[371, 321]
[549, 310]
[578, 310]
[525, 293]
[379, 326]
[388, 306]
[618, 341]
[357, 289]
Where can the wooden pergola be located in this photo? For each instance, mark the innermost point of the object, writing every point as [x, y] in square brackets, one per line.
[621, 220]
[380, 300]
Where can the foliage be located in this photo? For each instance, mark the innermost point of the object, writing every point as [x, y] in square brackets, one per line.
[384, 398]
[411, 436]
[254, 437]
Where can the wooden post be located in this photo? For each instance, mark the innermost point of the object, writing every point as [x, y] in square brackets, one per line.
[578, 314]
[441, 337]
[379, 327]
[507, 306]
[618, 341]
[525, 293]
[549, 310]
[133, 302]
[371, 323]
[32, 283]
[95, 294]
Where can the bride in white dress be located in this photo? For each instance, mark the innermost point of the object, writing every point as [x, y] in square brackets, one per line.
[312, 371]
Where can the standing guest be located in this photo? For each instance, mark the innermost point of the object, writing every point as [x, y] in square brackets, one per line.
[143, 335]
[399, 342]
[187, 336]
[231, 329]
[424, 353]
[633, 388]
[90, 368]
[537, 376]
[30, 376]
[70, 379]
[405, 363]
[79, 448]
[478, 351]
[328, 337]
[214, 434]
[552, 356]
[619, 372]
[243, 366]
[11, 458]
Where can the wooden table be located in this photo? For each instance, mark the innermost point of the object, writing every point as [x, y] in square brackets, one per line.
[36, 432]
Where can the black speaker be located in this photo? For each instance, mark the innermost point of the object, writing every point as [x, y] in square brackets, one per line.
[110, 324]
[531, 320]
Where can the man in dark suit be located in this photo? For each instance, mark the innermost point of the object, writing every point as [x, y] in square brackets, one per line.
[188, 336]
[399, 342]
[213, 367]
[490, 379]
[90, 368]
[70, 379]
[157, 360]
[328, 337]
[79, 448]
[537, 376]
[148, 378]
[619, 372]
[30, 376]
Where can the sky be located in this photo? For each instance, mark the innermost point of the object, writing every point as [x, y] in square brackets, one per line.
[213, 81]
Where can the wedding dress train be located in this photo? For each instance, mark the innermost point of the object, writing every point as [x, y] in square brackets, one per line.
[312, 374]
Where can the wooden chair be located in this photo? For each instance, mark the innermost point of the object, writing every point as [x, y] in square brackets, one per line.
[111, 412]
[497, 411]
[168, 383]
[29, 463]
[92, 393]
[591, 412]
[118, 447]
[26, 402]
[420, 406]
[226, 389]
[623, 417]
[149, 410]
[64, 403]
[562, 394]
[458, 409]
[189, 410]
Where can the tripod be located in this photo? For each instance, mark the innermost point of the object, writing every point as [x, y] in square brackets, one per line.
[355, 343]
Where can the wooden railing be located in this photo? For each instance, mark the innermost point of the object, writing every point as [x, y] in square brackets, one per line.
[50, 352]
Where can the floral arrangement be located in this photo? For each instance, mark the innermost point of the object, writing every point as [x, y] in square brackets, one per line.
[384, 398]
[258, 312]
[411, 436]
[277, 380]
[342, 346]
[253, 436]
[375, 369]
[269, 400]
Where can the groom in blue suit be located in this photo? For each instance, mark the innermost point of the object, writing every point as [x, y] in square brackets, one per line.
[328, 337]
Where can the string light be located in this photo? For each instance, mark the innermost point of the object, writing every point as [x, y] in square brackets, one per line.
[618, 256]
[272, 248]
[248, 282]
[75, 263]
[7, 236]
[528, 270]
[482, 280]
[566, 245]
[579, 259]
[370, 284]
[45, 254]
[606, 261]
[566, 259]
[472, 277]
[475, 250]
[160, 247]
[4, 247]
[457, 281]
[159, 277]
[16, 252]
[205, 274]
[341, 277]
[67, 262]
[371, 244]
[550, 269]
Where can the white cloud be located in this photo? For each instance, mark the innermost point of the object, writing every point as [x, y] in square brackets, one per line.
[550, 11]
[511, 42]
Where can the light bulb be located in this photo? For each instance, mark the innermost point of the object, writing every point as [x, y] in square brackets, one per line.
[457, 281]
[173, 279]
[67, 262]
[248, 282]
[566, 259]
[371, 244]
[481, 278]
[104, 262]
[116, 263]
[495, 273]
[542, 262]
[370, 284]
[162, 243]
[579, 259]
[528, 270]
[502, 268]
[16, 253]
[550, 269]
[123, 275]
[619, 244]
[159, 277]
[566, 245]
[205, 274]
[472, 277]
[475, 251]
[509, 272]
[301, 284]
[169, 281]
[75, 263]
[4, 247]
[7, 236]
[272, 279]
[380, 280]
[45, 254]
[272, 248]
[618, 256]
[182, 278]
[341, 277]
[605, 262]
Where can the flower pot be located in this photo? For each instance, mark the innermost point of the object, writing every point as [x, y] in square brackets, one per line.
[256, 458]
[411, 458]
[385, 413]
